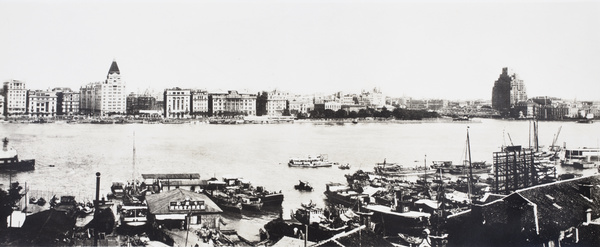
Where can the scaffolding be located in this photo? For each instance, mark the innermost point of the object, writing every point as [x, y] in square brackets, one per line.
[516, 168]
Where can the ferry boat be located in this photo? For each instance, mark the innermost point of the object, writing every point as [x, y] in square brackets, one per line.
[9, 159]
[311, 162]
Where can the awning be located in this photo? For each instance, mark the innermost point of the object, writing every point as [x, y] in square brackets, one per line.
[429, 203]
[170, 217]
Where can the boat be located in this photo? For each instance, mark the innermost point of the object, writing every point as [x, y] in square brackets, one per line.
[303, 186]
[272, 198]
[392, 169]
[476, 167]
[344, 166]
[311, 162]
[323, 223]
[461, 118]
[9, 160]
[134, 214]
[589, 118]
[225, 202]
[338, 193]
[250, 202]
[582, 158]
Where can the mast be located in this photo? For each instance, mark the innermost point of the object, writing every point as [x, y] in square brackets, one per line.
[133, 170]
[470, 166]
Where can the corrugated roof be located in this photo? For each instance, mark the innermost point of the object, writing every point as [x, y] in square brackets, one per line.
[159, 203]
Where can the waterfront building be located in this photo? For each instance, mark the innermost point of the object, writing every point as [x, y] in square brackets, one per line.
[355, 108]
[508, 91]
[200, 103]
[415, 104]
[15, 97]
[178, 103]
[137, 103]
[42, 103]
[67, 101]
[277, 102]
[372, 98]
[1, 106]
[105, 97]
[178, 207]
[232, 103]
[332, 105]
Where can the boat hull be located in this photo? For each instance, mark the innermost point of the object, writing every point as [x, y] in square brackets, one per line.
[22, 165]
[272, 199]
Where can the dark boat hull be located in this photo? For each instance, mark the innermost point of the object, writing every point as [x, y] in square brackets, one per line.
[22, 165]
[272, 199]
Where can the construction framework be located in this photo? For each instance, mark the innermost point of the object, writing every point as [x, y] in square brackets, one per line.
[515, 168]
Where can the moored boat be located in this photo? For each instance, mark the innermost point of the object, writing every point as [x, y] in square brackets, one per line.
[303, 186]
[250, 202]
[9, 159]
[225, 202]
[312, 161]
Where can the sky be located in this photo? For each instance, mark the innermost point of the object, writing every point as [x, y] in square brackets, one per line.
[420, 49]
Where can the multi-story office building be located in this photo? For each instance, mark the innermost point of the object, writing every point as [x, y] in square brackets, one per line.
[332, 105]
[105, 97]
[507, 92]
[177, 103]
[42, 103]
[232, 103]
[200, 103]
[373, 98]
[300, 106]
[276, 102]
[15, 97]
[67, 101]
[137, 103]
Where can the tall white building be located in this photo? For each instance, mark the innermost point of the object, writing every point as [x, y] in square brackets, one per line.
[232, 103]
[42, 103]
[276, 102]
[15, 97]
[105, 97]
[200, 102]
[177, 103]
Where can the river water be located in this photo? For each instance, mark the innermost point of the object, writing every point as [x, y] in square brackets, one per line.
[68, 155]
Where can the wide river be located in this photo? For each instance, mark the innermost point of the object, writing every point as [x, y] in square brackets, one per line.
[68, 155]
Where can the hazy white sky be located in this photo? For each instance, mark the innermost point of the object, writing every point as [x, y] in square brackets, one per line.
[432, 49]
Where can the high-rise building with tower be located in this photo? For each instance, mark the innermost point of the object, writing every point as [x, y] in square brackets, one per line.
[105, 97]
[508, 91]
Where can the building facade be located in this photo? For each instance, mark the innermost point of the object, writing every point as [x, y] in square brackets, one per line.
[277, 102]
[232, 103]
[200, 103]
[67, 102]
[15, 98]
[177, 103]
[137, 103]
[42, 103]
[106, 97]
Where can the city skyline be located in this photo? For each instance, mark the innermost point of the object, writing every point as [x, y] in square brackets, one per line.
[450, 50]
